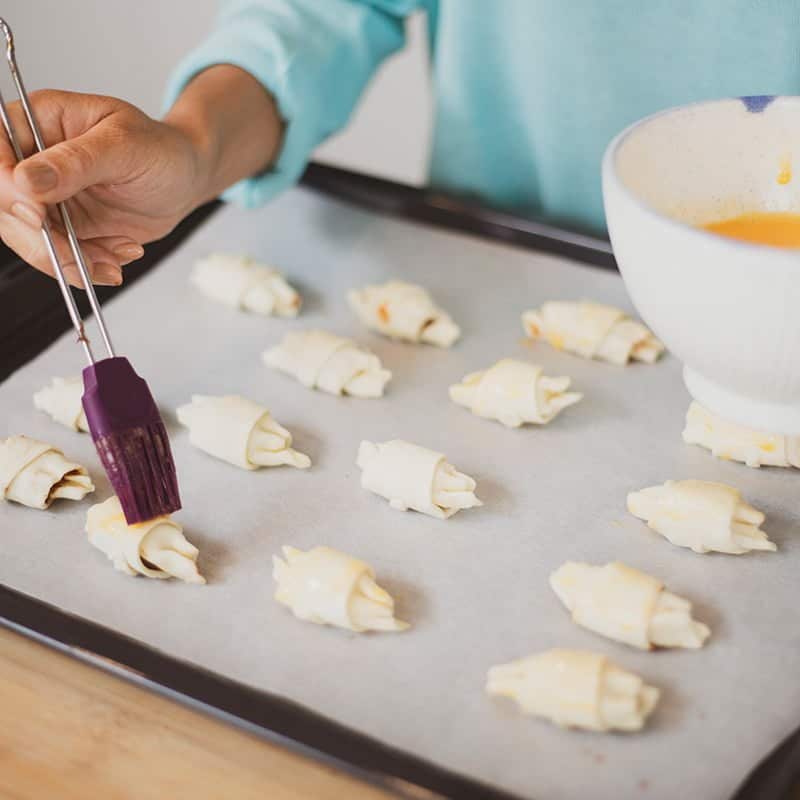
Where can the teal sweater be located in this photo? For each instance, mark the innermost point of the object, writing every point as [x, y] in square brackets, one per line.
[528, 92]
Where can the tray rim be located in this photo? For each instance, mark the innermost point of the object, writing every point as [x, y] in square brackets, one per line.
[270, 716]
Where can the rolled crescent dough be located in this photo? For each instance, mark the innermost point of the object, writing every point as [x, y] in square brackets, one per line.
[35, 473]
[592, 330]
[403, 311]
[239, 431]
[701, 515]
[728, 440]
[514, 392]
[574, 688]
[155, 549]
[410, 476]
[322, 360]
[327, 587]
[625, 604]
[62, 400]
[239, 282]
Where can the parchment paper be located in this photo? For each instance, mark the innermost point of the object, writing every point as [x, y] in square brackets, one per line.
[474, 587]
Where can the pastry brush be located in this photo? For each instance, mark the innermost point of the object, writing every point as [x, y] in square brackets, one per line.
[123, 418]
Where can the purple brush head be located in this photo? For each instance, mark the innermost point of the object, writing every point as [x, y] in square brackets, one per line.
[131, 439]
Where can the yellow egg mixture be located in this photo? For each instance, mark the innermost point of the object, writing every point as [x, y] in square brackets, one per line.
[778, 228]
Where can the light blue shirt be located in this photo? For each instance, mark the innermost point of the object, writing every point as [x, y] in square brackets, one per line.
[528, 92]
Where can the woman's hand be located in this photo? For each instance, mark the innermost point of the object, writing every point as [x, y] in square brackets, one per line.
[130, 179]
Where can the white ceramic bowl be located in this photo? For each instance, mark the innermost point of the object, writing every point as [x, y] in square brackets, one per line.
[729, 310]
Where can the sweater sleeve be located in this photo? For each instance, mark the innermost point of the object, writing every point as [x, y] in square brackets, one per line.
[315, 58]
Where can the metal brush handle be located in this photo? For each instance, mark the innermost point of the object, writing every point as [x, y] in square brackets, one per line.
[47, 233]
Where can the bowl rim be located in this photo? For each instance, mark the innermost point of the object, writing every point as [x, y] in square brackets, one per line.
[609, 173]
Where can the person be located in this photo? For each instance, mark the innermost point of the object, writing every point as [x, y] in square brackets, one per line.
[528, 93]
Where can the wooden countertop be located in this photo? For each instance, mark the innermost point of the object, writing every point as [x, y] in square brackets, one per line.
[69, 730]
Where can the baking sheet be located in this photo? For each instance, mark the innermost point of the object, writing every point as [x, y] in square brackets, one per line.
[474, 587]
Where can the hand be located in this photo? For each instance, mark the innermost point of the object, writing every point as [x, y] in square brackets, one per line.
[128, 178]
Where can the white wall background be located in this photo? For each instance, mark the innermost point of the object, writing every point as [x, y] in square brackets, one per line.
[128, 47]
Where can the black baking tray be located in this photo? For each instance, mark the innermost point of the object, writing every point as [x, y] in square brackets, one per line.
[32, 316]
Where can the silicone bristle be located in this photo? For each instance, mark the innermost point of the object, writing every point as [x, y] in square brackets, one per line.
[131, 439]
[139, 465]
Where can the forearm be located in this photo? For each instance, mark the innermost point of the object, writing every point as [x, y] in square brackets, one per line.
[233, 123]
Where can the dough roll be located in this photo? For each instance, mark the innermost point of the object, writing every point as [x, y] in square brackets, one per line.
[35, 473]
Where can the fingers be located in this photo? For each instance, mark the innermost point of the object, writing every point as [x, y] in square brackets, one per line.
[101, 155]
[103, 263]
[88, 144]
[14, 200]
[122, 247]
[22, 134]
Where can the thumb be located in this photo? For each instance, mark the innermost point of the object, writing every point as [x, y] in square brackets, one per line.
[61, 171]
